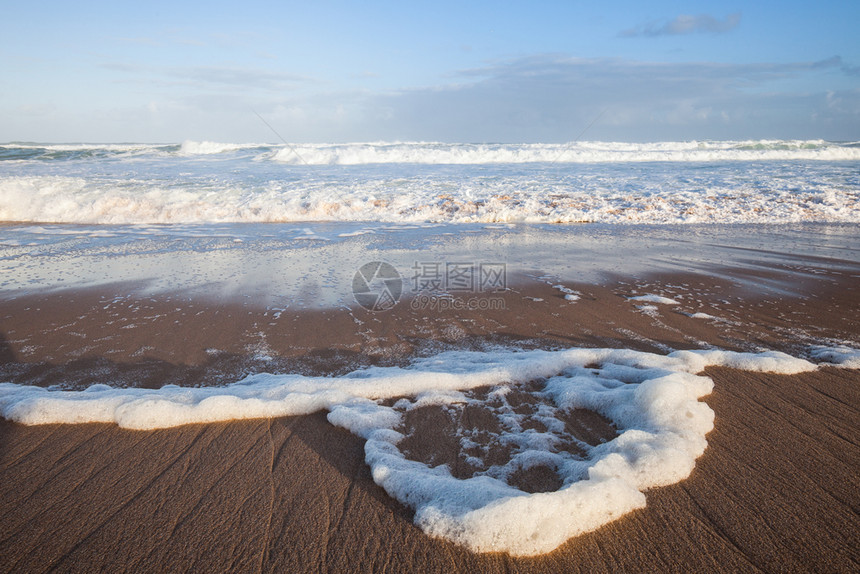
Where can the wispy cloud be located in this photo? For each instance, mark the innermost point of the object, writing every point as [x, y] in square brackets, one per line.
[837, 62]
[551, 97]
[851, 70]
[242, 78]
[685, 24]
[548, 98]
[213, 77]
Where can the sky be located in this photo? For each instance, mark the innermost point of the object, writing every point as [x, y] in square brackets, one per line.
[507, 72]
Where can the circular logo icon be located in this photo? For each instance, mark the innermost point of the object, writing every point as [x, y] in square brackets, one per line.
[377, 286]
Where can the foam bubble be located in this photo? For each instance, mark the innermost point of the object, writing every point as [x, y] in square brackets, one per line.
[650, 298]
[701, 315]
[653, 400]
[569, 294]
[837, 356]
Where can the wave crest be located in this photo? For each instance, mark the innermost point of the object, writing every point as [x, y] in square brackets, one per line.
[577, 152]
[190, 147]
[432, 153]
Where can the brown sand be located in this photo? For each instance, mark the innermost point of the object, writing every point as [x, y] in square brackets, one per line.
[777, 489]
[83, 336]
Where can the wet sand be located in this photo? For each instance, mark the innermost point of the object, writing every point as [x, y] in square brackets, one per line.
[777, 489]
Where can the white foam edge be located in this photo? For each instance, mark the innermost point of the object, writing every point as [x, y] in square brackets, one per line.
[653, 400]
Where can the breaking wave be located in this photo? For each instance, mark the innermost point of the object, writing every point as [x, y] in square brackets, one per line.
[457, 154]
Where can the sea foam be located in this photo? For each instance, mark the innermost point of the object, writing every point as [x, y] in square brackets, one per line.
[837, 356]
[440, 153]
[574, 152]
[653, 401]
[654, 183]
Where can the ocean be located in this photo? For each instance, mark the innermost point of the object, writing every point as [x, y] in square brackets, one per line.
[652, 183]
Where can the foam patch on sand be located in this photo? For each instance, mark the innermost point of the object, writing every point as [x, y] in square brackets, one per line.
[653, 401]
[569, 294]
[702, 316]
[838, 356]
[650, 298]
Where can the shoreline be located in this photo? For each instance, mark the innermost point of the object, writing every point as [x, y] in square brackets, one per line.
[775, 490]
[121, 334]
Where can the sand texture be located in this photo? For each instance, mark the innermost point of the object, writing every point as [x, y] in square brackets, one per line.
[777, 490]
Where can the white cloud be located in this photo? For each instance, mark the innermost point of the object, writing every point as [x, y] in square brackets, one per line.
[549, 98]
[686, 24]
[208, 77]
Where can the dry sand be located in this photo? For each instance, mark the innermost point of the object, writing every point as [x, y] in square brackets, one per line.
[777, 489]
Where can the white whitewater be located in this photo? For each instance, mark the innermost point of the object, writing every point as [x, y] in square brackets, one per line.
[208, 182]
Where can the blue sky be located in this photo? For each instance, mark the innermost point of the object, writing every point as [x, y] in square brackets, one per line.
[442, 71]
